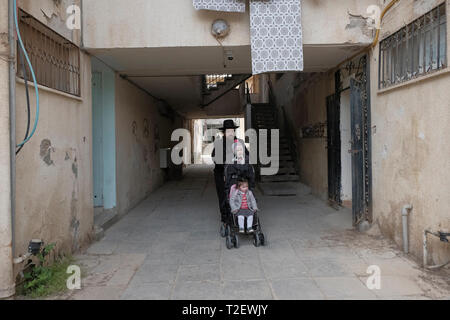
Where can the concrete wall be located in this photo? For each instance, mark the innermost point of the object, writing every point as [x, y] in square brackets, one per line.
[53, 14]
[172, 23]
[228, 105]
[54, 170]
[138, 125]
[305, 105]
[410, 151]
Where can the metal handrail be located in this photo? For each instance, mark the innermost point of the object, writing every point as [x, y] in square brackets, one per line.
[235, 81]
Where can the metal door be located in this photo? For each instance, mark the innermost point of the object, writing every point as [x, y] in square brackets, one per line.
[361, 143]
[334, 150]
[97, 136]
[357, 152]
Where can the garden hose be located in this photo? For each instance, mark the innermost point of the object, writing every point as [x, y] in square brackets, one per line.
[32, 75]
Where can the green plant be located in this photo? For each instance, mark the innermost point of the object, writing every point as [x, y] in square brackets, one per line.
[43, 279]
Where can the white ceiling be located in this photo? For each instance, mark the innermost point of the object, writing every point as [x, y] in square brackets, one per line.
[174, 74]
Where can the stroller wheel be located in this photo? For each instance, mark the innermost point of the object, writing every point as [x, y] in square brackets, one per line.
[223, 231]
[256, 240]
[228, 242]
[262, 239]
[236, 241]
[228, 230]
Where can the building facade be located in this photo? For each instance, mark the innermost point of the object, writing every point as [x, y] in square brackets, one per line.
[368, 124]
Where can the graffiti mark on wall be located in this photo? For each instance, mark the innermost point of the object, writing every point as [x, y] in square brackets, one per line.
[146, 129]
[317, 130]
[157, 139]
[45, 152]
[134, 128]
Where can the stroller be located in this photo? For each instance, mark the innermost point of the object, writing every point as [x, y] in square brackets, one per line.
[230, 229]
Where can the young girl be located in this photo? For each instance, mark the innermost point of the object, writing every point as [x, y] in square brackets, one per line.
[239, 152]
[243, 204]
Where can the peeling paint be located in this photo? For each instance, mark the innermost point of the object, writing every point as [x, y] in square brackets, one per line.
[55, 16]
[45, 152]
[421, 136]
[4, 39]
[356, 21]
[74, 223]
[75, 167]
[359, 22]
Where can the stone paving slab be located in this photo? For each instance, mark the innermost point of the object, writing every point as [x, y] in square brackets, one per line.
[197, 290]
[344, 288]
[170, 248]
[297, 289]
[147, 291]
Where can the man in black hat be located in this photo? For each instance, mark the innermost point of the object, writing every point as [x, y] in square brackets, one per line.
[223, 154]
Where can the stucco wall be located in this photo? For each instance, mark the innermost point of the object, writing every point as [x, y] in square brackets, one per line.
[54, 170]
[53, 14]
[305, 105]
[137, 125]
[171, 23]
[410, 152]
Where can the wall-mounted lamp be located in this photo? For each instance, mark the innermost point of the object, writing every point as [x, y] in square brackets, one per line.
[220, 28]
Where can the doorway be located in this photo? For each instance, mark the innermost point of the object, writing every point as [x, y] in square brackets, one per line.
[205, 133]
[103, 137]
[349, 142]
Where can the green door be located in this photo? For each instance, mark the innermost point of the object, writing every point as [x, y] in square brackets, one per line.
[97, 137]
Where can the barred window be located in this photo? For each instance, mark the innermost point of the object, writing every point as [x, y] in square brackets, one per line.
[415, 50]
[55, 60]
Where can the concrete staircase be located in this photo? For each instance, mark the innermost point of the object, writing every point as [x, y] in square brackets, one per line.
[215, 86]
[265, 117]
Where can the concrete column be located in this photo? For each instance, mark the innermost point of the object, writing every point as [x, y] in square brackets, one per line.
[6, 266]
[264, 88]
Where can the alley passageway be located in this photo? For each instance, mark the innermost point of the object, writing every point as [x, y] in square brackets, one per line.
[169, 247]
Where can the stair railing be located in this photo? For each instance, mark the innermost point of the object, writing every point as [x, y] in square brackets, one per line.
[292, 142]
[216, 86]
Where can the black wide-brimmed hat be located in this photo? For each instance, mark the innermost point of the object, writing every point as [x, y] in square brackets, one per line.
[228, 124]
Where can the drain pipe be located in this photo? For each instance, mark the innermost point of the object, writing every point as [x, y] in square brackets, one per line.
[12, 112]
[405, 211]
[7, 158]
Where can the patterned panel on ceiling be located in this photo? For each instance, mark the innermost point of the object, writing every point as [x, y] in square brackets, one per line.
[220, 5]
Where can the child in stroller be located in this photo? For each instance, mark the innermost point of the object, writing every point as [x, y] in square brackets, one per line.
[243, 205]
[244, 174]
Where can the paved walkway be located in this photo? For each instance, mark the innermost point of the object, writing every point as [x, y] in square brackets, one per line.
[169, 247]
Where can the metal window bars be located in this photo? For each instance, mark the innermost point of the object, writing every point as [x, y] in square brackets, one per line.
[212, 81]
[55, 59]
[416, 49]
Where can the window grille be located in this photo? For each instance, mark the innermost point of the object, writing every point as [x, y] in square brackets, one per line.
[212, 81]
[55, 60]
[417, 49]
